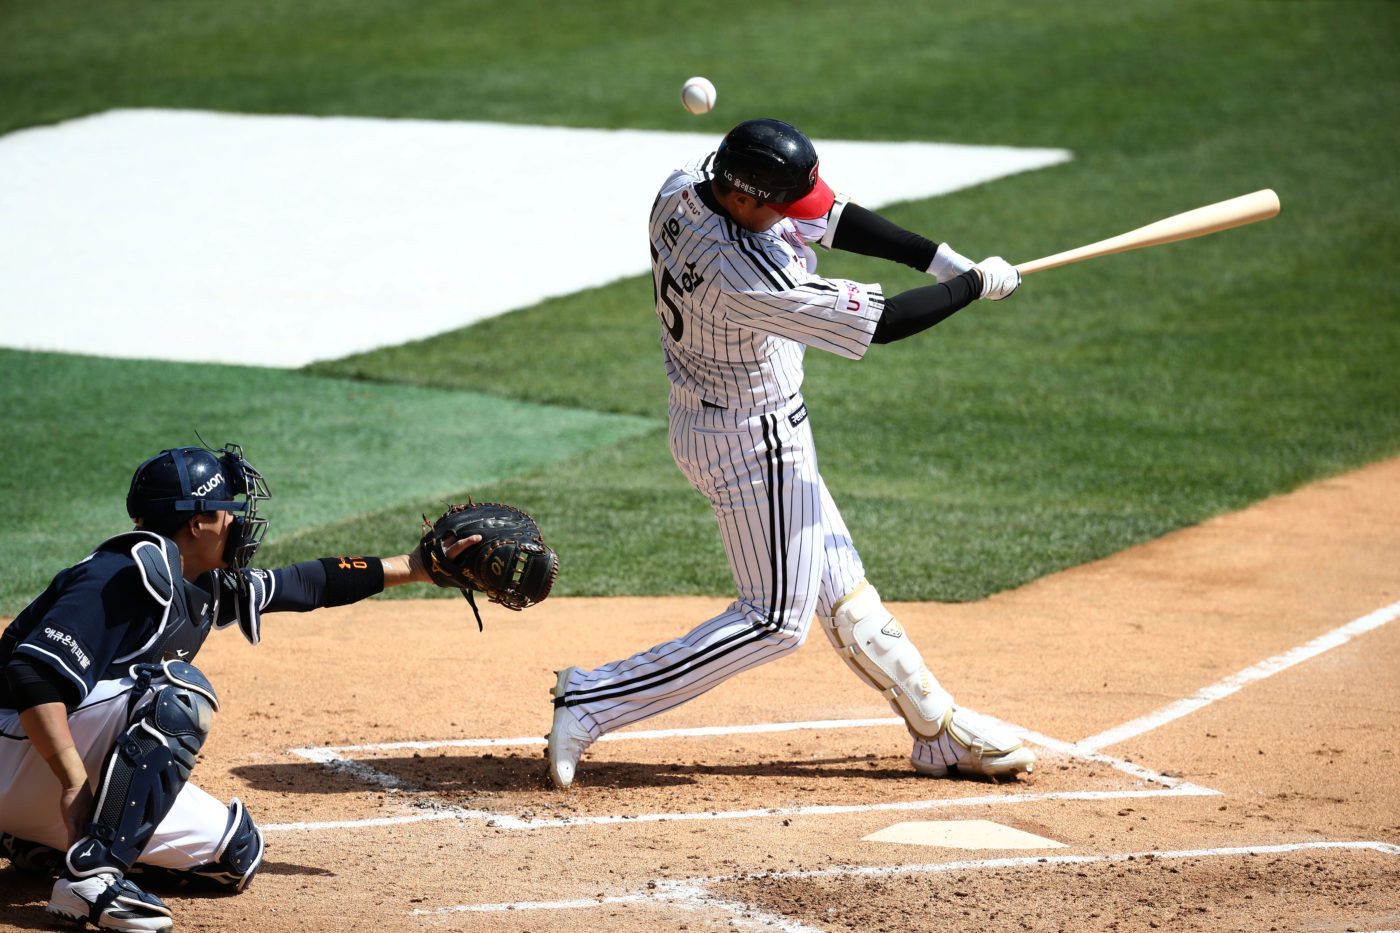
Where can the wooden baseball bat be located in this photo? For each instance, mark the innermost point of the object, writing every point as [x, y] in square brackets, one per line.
[1222, 215]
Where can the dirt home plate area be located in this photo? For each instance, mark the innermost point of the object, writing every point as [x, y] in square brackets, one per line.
[1216, 715]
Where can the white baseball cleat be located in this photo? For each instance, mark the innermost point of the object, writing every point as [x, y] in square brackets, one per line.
[110, 902]
[568, 739]
[973, 745]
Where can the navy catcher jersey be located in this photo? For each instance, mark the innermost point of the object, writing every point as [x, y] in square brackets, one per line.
[126, 604]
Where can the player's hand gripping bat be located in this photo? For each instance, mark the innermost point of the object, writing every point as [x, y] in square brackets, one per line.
[1221, 215]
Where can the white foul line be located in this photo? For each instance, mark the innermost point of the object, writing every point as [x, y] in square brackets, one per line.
[1032, 861]
[1207, 695]
[502, 821]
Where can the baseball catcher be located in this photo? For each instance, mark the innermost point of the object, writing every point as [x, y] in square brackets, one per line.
[511, 564]
[103, 713]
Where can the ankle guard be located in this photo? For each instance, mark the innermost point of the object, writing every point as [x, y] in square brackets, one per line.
[240, 852]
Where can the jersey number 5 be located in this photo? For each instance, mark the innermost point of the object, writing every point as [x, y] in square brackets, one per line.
[662, 282]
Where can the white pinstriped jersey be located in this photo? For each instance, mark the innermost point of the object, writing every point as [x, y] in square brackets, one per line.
[739, 308]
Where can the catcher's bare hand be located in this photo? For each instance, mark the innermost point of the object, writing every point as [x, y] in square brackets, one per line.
[419, 572]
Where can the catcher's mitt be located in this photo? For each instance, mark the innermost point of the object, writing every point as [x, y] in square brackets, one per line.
[511, 564]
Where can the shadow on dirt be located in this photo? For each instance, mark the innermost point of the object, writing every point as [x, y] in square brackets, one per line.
[23, 895]
[474, 774]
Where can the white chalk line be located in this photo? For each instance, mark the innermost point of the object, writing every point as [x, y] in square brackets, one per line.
[499, 820]
[695, 893]
[332, 756]
[1223, 688]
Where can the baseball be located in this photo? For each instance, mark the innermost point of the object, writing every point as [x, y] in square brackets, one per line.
[698, 95]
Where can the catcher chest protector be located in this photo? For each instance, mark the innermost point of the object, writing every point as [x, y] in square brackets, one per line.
[187, 617]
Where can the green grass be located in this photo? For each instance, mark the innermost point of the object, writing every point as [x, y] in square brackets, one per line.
[328, 447]
[1105, 404]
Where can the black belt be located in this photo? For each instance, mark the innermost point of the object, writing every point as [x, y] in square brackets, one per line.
[722, 408]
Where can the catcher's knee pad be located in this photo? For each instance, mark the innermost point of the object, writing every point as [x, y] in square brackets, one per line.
[875, 645]
[144, 772]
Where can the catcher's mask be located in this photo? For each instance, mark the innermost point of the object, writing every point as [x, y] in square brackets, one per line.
[773, 162]
[176, 484]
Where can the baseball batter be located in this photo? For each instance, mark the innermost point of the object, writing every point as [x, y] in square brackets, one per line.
[740, 301]
[102, 711]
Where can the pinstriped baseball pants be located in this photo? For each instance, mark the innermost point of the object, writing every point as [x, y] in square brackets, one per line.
[789, 552]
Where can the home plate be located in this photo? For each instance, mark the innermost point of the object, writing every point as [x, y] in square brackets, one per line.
[962, 834]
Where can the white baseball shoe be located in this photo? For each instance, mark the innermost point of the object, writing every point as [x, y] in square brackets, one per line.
[973, 745]
[568, 739]
[109, 902]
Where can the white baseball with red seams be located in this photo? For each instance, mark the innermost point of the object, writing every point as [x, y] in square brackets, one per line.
[698, 95]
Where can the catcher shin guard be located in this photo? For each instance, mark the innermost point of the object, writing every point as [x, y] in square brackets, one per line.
[876, 647]
[146, 769]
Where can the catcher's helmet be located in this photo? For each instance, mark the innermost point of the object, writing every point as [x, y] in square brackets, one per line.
[773, 162]
[177, 484]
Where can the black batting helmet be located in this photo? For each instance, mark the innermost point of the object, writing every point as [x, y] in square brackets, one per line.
[177, 484]
[773, 162]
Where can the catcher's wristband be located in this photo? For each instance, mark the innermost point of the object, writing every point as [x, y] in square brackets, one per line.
[351, 579]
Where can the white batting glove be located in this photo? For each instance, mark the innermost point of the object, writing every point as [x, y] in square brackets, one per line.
[948, 263]
[999, 278]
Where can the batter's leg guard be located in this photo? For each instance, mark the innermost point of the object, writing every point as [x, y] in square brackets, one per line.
[145, 771]
[875, 646]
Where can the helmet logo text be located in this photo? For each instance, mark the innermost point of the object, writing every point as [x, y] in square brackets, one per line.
[214, 482]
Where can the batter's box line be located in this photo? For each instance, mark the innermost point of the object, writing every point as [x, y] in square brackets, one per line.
[696, 894]
[330, 757]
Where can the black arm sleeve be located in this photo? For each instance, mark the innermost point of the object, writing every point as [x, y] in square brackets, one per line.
[918, 309]
[859, 230]
[330, 581]
[29, 685]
